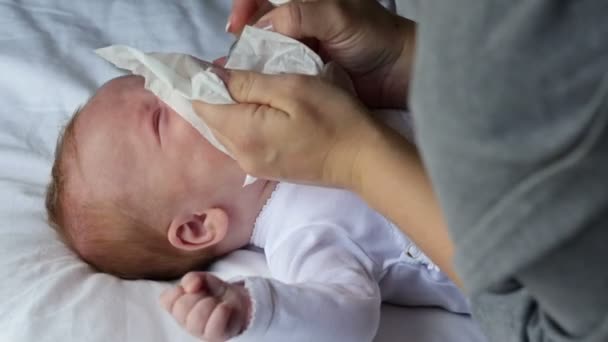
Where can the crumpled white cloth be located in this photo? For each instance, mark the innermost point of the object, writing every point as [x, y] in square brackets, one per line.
[179, 79]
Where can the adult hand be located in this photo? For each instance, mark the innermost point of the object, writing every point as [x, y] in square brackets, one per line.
[306, 129]
[374, 45]
[291, 127]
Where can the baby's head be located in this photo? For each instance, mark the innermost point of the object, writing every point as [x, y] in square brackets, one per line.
[137, 192]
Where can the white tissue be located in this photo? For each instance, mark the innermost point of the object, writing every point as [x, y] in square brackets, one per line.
[178, 79]
[278, 2]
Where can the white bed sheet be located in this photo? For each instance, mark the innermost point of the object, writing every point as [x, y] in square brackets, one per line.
[47, 69]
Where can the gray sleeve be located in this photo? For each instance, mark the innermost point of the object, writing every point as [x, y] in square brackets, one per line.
[408, 8]
[510, 105]
[559, 297]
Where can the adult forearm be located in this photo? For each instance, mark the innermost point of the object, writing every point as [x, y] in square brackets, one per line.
[391, 178]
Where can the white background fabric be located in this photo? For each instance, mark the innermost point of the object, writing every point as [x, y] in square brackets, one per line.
[47, 69]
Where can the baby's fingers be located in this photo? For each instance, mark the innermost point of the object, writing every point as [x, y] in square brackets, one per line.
[169, 296]
[204, 283]
[199, 315]
[218, 327]
[183, 306]
[193, 282]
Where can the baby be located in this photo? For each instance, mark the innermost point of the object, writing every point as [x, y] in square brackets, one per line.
[137, 192]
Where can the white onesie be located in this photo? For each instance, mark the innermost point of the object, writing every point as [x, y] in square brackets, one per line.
[333, 260]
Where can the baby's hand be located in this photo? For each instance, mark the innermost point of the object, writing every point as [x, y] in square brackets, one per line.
[208, 307]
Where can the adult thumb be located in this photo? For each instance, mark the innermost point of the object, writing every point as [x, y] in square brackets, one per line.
[259, 97]
[253, 87]
[219, 118]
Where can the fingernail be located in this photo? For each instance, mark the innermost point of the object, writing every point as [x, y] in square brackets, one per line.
[228, 24]
[264, 24]
[222, 73]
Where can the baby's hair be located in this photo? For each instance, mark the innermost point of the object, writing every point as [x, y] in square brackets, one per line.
[104, 234]
[55, 189]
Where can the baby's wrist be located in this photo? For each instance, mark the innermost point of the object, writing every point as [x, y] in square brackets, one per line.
[247, 305]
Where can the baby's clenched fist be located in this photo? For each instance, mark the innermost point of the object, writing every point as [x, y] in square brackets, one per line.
[208, 307]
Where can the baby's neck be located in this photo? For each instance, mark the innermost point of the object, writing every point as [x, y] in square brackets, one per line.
[245, 213]
[264, 194]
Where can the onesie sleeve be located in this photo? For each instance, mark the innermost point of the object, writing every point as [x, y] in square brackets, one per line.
[322, 290]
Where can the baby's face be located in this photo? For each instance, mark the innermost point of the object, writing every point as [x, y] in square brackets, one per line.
[132, 148]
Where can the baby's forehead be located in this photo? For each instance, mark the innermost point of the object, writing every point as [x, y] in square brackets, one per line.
[95, 151]
[123, 82]
[109, 97]
[120, 88]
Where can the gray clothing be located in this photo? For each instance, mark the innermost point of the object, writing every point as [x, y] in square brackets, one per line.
[510, 105]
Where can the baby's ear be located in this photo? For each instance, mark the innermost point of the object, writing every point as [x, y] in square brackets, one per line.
[192, 232]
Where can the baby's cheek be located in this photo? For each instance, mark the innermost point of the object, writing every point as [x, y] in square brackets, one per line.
[177, 190]
[199, 163]
[187, 138]
[196, 144]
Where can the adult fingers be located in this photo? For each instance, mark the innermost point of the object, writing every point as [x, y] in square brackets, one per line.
[254, 87]
[299, 19]
[245, 12]
[338, 76]
[242, 11]
[227, 122]
[277, 91]
[245, 131]
[262, 96]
